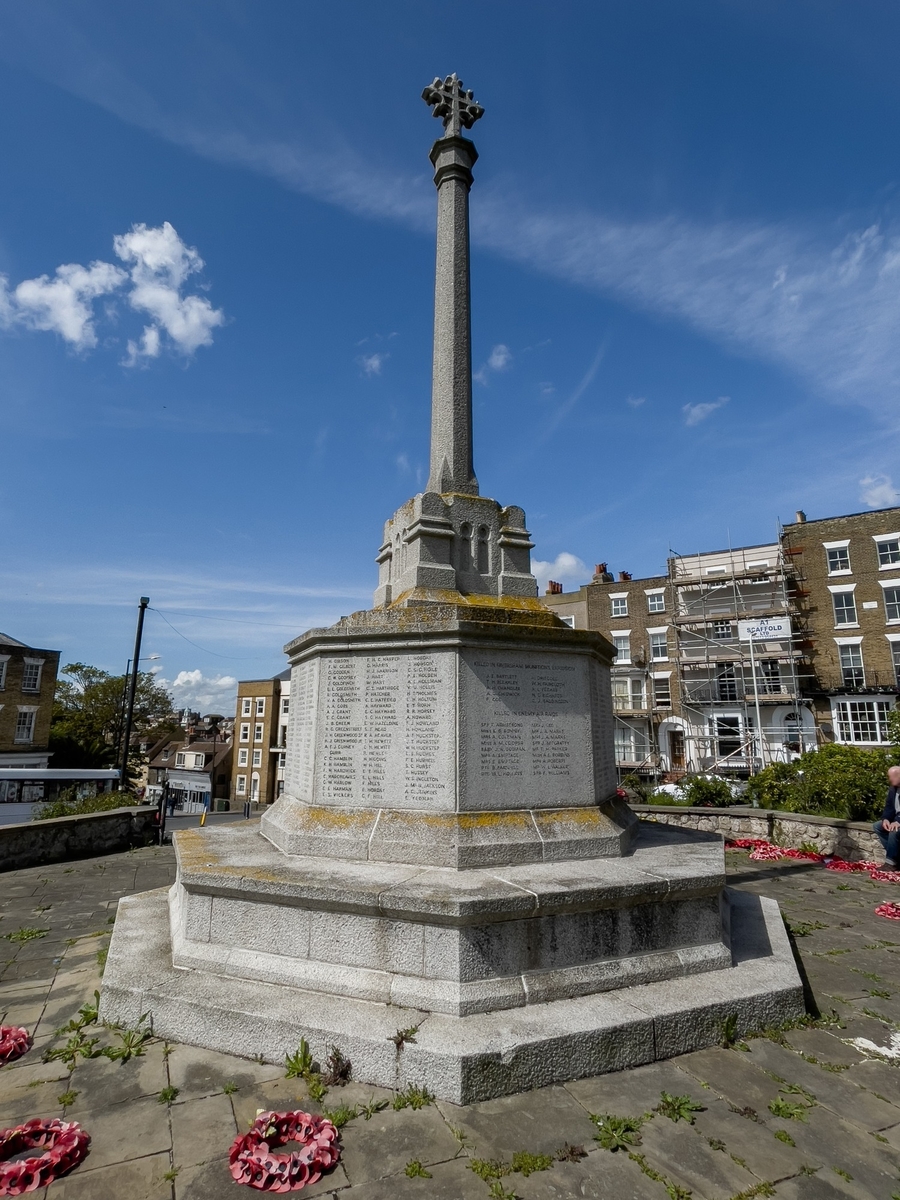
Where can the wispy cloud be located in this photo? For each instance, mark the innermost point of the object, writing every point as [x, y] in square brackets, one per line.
[202, 693]
[695, 413]
[636, 401]
[159, 263]
[564, 566]
[877, 491]
[372, 363]
[498, 360]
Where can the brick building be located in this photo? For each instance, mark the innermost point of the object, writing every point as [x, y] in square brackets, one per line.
[27, 686]
[260, 737]
[847, 573]
[196, 765]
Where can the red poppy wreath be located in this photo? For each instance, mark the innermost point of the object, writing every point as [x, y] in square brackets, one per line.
[255, 1162]
[61, 1145]
[14, 1041]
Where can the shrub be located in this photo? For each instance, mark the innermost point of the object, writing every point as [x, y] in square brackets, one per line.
[833, 781]
[69, 804]
[702, 792]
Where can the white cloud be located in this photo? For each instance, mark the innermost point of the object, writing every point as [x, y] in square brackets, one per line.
[160, 264]
[62, 304]
[498, 360]
[194, 690]
[372, 363]
[636, 401]
[695, 413]
[564, 566]
[877, 491]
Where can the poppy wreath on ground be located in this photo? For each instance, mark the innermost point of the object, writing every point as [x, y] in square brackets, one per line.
[14, 1041]
[254, 1160]
[889, 909]
[62, 1146]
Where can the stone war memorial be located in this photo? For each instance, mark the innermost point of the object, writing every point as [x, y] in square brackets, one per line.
[450, 889]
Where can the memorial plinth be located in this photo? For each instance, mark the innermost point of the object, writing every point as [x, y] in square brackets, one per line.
[450, 852]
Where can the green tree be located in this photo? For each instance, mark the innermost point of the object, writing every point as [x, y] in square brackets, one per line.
[833, 781]
[88, 713]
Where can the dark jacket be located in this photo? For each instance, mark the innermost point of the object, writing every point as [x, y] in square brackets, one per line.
[890, 806]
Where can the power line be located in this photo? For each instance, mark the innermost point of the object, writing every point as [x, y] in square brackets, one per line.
[196, 645]
[235, 620]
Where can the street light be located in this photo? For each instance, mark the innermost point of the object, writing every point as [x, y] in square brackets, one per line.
[129, 711]
[214, 725]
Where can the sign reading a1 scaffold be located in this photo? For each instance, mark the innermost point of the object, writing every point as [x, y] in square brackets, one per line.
[766, 629]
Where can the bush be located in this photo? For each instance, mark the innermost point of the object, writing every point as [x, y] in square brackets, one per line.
[69, 804]
[702, 792]
[833, 781]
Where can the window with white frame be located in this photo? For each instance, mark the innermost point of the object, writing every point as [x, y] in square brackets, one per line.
[637, 693]
[715, 570]
[4, 659]
[659, 645]
[179, 759]
[257, 733]
[844, 607]
[895, 655]
[656, 602]
[569, 620]
[257, 758]
[770, 676]
[246, 706]
[199, 761]
[892, 603]
[888, 547]
[285, 704]
[837, 555]
[862, 721]
[622, 643]
[242, 758]
[31, 675]
[245, 733]
[165, 754]
[260, 706]
[852, 672]
[621, 693]
[241, 785]
[721, 630]
[727, 733]
[254, 787]
[619, 605]
[24, 734]
[726, 683]
[662, 692]
[624, 744]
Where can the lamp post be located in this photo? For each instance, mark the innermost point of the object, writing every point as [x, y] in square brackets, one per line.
[214, 723]
[146, 658]
[132, 684]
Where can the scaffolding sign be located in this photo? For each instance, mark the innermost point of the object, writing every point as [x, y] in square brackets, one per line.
[767, 629]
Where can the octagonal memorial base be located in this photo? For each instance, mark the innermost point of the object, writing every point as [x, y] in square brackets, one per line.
[515, 978]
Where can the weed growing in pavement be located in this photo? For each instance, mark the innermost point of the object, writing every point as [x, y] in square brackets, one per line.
[760, 1189]
[794, 1089]
[569, 1153]
[843, 887]
[880, 995]
[77, 1046]
[341, 1115]
[25, 934]
[367, 1111]
[338, 1070]
[167, 1095]
[803, 928]
[414, 1096]
[229, 1088]
[132, 1043]
[67, 1099]
[617, 1133]
[788, 1110]
[415, 1170]
[716, 1144]
[316, 1088]
[88, 1014]
[750, 1113]
[678, 1108]
[102, 955]
[171, 1176]
[300, 1064]
[524, 1163]
[784, 1136]
[489, 1169]
[843, 1174]
[673, 1190]
[497, 1191]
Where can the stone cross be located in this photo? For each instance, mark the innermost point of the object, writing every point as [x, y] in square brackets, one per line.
[453, 157]
[453, 104]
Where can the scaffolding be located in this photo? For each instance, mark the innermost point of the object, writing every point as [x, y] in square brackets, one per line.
[721, 688]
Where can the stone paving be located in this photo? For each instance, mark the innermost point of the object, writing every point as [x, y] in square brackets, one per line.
[800, 1115]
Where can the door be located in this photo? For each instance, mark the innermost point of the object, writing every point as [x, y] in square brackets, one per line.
[676, 749]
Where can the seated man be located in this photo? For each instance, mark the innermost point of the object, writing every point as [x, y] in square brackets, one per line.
[888, 828]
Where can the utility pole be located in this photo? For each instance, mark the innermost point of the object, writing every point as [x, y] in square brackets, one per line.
[132, 685]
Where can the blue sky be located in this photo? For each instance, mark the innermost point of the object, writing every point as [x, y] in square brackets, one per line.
[686, 293]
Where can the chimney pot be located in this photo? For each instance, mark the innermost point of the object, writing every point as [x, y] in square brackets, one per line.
[801, 516]
[624, 576]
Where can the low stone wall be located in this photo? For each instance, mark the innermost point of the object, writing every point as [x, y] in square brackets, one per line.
[852, 840]
[34, 843]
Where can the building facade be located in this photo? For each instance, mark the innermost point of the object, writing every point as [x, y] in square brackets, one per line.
[691, 694]
[260, 739]
[27, 687]
[196, 766]
[847, 572]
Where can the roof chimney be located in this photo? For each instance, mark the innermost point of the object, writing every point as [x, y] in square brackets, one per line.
[801, 516]
[624, 576]
[601, 574]
[553, 588]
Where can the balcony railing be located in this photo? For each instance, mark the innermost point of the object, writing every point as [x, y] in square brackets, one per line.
[738, 693]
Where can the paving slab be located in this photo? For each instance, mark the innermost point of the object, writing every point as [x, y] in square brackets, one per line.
[827, 1142]
[600, 1176]
[102, 1082]
[825, 1045]
[540, 1121]
[386, 1143]
[126, 1131]
[755, 1143]
[630, 1093]
[142, 1179]
[197, 1072]
[680, 1152]
[731, 1075]
[202, 1130]
[449, 1181]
